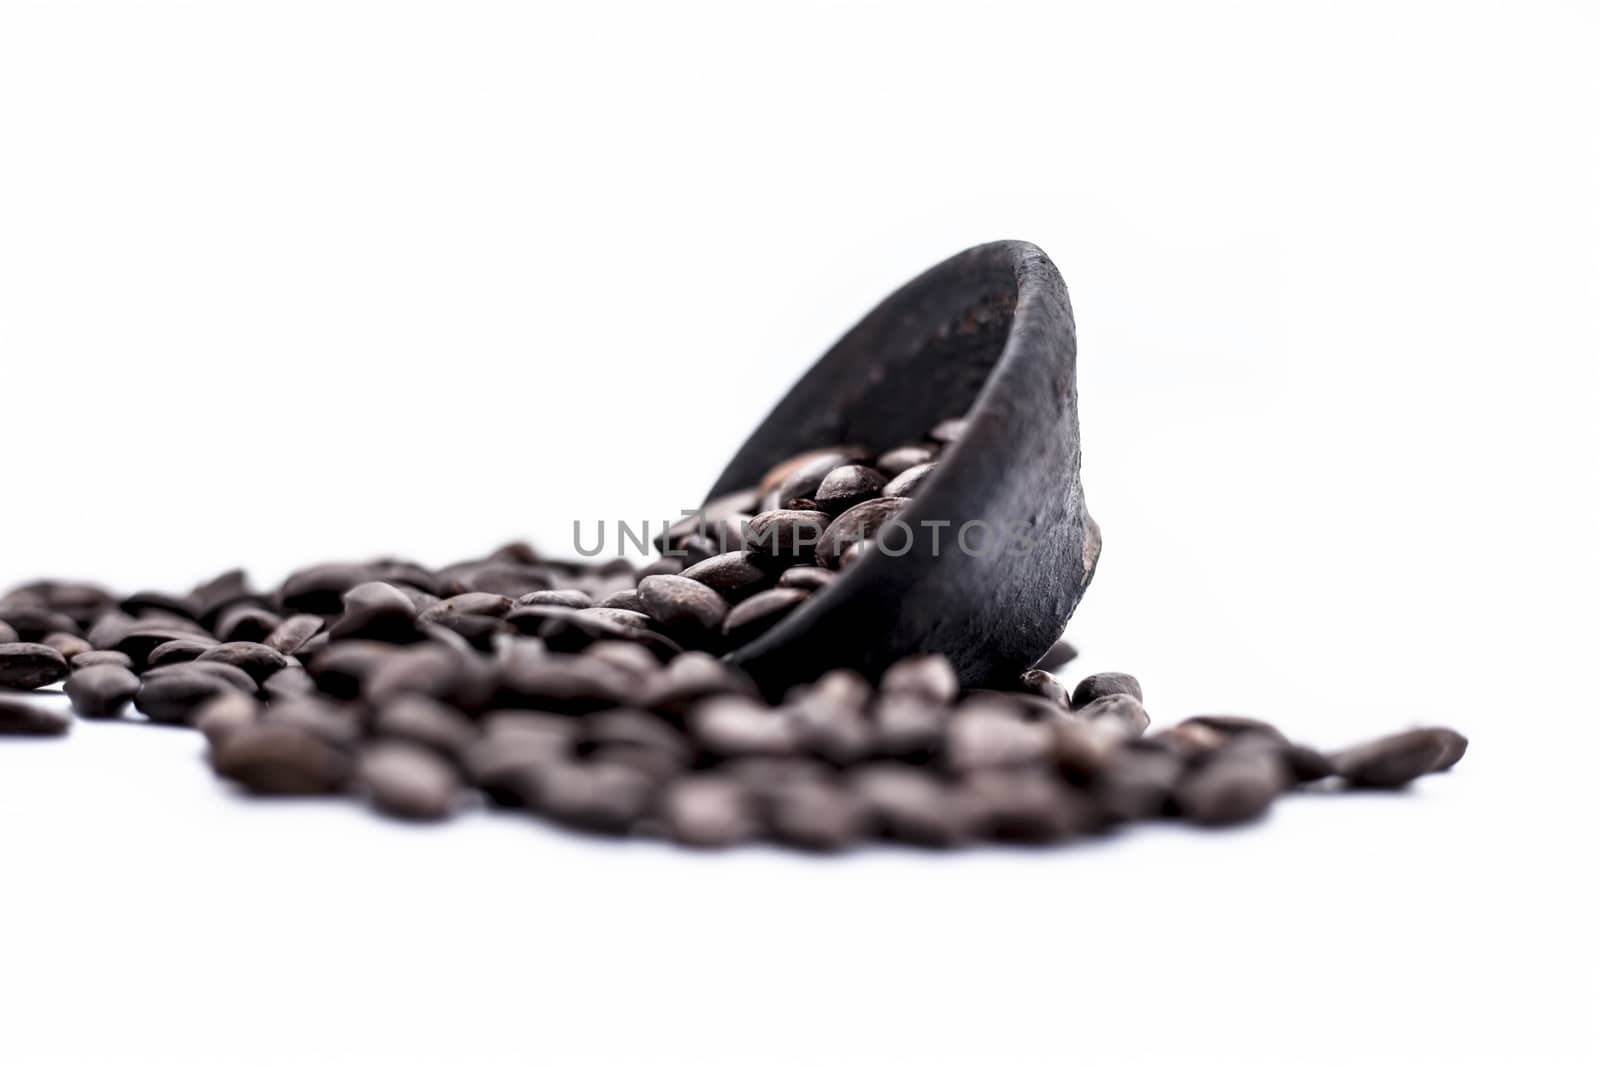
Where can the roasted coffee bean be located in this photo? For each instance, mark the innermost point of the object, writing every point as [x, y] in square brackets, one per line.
[807, 578]
[682, 604]
[818, 815]
[98, 658]
[1024, 806]
[154, 602]
[561, 598]
[226, 671]
[909, 481]
[909, 726]
[287, 683]
[845, 487]
[32, 623]
[742, 502]
[1235, 726]
[1081, 750]
[709, 811]
[751, 618]
[24, 665]
[638, 740]
[246, 622]
[909, 805]
[732, 727]
[1234, 786]
[689, 678]
[8, 636]
[210, 597]
[183, 650]
[733, 575]
[855, 525]
[1117, 708]
[930, 677]
[101, 692]
[337, 724]
[173, 694]
[424, 721]
[1391, 762]
[1103, 685]
[897, 461]
[376, 611]
[408, 781]
[830, 457]
[341, 669]
[786, 536]
[564, 683]
[514, 750]
[485, 604]
[664, 565]
[1137, 781]
[829, 718]
[222, 715]
[320, 590]
[449, 674]
[69, 645]
[280, 759]
[28, 716]
[1305, 764]
[948, 432]
[625, 599]
[606, 798]
[292, 634]
[804, 482]
[985, 737]
[1044, 684]
[628, 655]
[258, 661]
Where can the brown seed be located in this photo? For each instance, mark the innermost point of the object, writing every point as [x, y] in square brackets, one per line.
[776, 476]
[817, 815]
[680, 603]
[811, 579]
[785, 535]
[69, 645]
[565, 683]
[1022, 805]
[257, 660]
[342, 668]
[636, 739]
[755, 616]
[690, 677]
[1109, 683]
[337, 724]
[561, 598]
[489, 604]
[453, 675]
[909, 726]
[1137, 781]
[183, 650]
[1081, 750]
[897, 461]
[908, 482]
[628, 655]
[220, 716]
[626, 599]
[599, 797]
[24, 665]
[101, 692]
[320, 590]
[909, 805]
[857, 524]
[709, 811]
[733, 575]
[32, 622]
[408, 781]
[292, 633]
[376, 611]
[100, 658]
[246, 622]
[985, 737]
[8, 636]
[845, 487]
[514, 750]
[1044, 684]
[24, 716]
[928, 676]
[1392, 761]
[280, 759]
[948, 432]
[174, 693]
[422, 720]
[829, 718]
[732, 727]
[287, 683]
[1118, 709]
[1237, 785]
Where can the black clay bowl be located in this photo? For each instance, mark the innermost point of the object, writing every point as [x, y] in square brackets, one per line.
[987, 334]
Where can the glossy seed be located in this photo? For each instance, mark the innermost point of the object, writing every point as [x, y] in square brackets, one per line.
[1118, 709]
[897, 461]
[27, 716]
[1109, 683]
[853, 526]
[679, 603]
[292, 633]
[280, 759]
[408, 781]
[755, 616]
[931, 677]
[1392, 761]
[845, 487]
[733, 575]
[786, 535]
[101, 692]
[25, 665]
[709, 811]
[909, 482]
[1232, 787]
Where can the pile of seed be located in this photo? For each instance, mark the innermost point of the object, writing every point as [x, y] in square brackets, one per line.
[593, 694]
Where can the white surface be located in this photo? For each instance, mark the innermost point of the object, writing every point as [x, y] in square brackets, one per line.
[1335, 279]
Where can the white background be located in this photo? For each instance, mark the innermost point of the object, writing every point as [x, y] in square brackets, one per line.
[292, 281]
